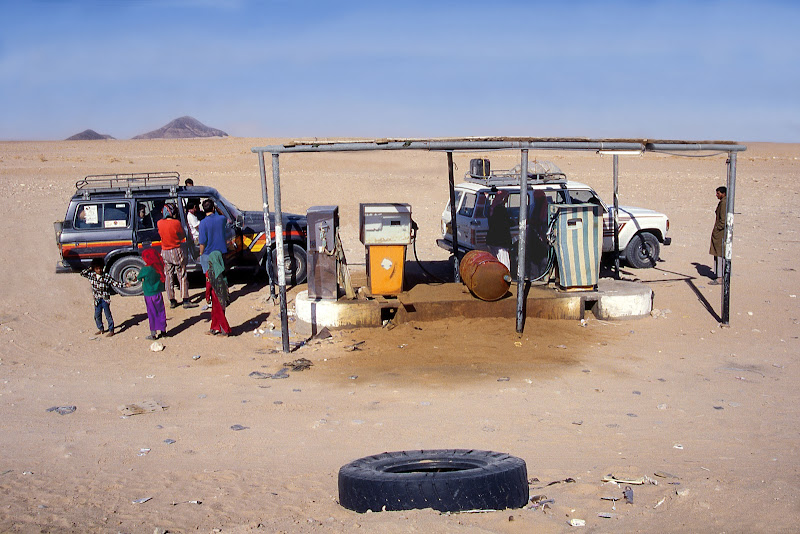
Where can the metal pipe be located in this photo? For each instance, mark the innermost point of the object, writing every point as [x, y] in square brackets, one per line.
[719, 147]
[523, 227]
[616, 217]
[454, 145]
[445, 145]
[453, 220]
[726, 264]
[267, 226]
[276, 181]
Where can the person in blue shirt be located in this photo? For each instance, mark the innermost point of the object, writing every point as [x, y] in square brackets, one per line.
[212, 231]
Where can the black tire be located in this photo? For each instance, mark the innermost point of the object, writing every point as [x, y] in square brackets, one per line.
[446, 480]
[295, 262]
[126, 269]
[643, 251]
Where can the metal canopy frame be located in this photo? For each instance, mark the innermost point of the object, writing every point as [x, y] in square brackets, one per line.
[475, 144]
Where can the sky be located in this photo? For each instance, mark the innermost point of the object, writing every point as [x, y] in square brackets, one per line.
[692, 70]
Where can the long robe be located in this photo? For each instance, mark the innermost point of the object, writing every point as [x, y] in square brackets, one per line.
[718, 233]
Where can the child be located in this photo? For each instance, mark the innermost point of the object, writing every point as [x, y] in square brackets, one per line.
[219, 295]
[152, 278]
[101, 291]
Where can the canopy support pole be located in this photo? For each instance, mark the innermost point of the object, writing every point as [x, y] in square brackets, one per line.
[523, 227]
[276, 181]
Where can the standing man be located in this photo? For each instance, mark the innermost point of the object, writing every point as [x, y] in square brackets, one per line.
[172, 241]
[717, 248]
[192, 219]
[498, 238]
[212, 238]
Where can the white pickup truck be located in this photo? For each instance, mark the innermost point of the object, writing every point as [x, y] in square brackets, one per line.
[641, 231]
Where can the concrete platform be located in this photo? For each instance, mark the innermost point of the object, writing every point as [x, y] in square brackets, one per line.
[613, 300]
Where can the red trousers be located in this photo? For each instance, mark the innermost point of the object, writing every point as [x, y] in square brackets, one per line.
[218, 320]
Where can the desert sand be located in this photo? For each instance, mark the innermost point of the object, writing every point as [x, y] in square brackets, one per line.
[715, 408]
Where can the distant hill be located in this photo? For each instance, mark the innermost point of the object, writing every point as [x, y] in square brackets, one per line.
[88, 135]
[183, 128]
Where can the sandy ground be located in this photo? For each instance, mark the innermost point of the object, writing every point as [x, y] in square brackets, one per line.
[715, 407]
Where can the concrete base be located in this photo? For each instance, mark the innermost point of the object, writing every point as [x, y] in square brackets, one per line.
[619, 299]
[340, 313]
[613, 299]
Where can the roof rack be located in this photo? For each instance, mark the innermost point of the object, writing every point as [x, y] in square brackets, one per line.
[113, 183]
[538, 172]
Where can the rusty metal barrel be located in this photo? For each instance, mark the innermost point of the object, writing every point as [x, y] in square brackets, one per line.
[484, 275]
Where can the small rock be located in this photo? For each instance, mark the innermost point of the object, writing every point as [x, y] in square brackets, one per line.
[155, 346]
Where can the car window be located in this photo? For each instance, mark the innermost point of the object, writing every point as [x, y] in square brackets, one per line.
[148, 213]
[116, 215]
[229, 210]
[512, 204]
[459, 194]
[88, 216]
[556, 196]
[584, 196]
[468, 206]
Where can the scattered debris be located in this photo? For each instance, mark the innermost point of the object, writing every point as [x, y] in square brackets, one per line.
[147, 406]
[322, 334]
[628, 493]
[565, 481]
[664, 474]
[678, 446]
[283, 373]
[636, 481]
[62, 410]
[156, 346]
[169, 441]
[142, 500]
[259, 375]
[353, 377]
[196, 357]
[579, 423]
[659, 503]
[239, 427]
[300, 364]
[186, 502]
[354, 346]
[503, 379]
[577, 523]
[682, 492]
[605, 515]
[143, 452]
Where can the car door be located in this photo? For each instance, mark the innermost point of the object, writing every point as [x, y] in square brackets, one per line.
[148, 213]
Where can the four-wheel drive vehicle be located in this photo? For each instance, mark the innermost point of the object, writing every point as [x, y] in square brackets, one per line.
[641, 231]
[115, 217]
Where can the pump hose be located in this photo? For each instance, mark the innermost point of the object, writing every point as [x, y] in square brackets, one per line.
[430, 276]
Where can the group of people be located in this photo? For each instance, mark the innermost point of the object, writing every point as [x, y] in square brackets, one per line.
[209, 234]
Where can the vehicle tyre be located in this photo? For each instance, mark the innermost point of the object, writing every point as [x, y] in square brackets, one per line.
[295, 263]
[126, 269]
[643, 251]
[449, 480]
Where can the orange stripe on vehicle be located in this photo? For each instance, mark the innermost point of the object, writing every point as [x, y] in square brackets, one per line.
[95, 244]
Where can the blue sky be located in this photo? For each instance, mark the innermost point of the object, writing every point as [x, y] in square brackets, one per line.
[668, 70]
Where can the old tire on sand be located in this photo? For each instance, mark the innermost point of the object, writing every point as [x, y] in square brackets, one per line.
[449, 480]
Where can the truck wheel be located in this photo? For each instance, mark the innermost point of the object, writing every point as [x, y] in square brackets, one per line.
[446, 480]
[126, 269]
[643, 251]
[295, 262]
